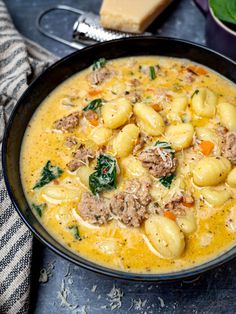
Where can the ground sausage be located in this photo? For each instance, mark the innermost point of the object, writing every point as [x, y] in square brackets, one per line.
[131, 205]
[71, 141]
[229, 146]
[68, 123]
[158, 161]
[81, 157]
[94, 209]
[99, 76]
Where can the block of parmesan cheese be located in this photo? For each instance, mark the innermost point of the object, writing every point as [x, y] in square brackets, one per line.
[130, 15]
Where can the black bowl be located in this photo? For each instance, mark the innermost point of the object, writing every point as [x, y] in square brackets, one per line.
[47, 82]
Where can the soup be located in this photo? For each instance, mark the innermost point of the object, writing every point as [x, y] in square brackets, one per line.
[131, 164]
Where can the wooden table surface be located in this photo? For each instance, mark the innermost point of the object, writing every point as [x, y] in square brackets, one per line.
[87, 292]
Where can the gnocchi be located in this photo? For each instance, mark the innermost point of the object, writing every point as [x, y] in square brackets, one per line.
[83, 174]
[187, 223]
[204, 102]
[180, 135]
[165, 236]
[216, 197]
[211, 171]
[231, 179]
[116, 113]
[133, 168]
[149, 120]
[177, 108]
[125, 141]
[56, 194]
[101, 135]
[227, 114]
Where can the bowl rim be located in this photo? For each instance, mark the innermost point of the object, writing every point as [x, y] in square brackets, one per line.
[81, 261]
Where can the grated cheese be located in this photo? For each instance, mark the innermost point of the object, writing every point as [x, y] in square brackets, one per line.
[115, 297]
[162, 303]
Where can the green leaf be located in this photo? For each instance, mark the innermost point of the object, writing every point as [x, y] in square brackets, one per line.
[94, 105]
[104, 178]
[75, 232]
[48, 174]
[39, 208]
[163, 145]
[100, 63]
[167, 180]
[195, 92]
[152, 73]
[225, 10]
[166, 146]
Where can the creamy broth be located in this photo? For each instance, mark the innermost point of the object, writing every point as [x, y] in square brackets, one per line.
[194, 110]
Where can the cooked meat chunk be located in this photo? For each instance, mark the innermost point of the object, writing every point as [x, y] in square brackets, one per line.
[158, 161]
[94, 209]
[229, 146]
[99, 76]
[131, 205]
[71, 141]
[68, 123]
[178, 204]
[143, 138]
[81, 157]
[133, 96]
[91, 115]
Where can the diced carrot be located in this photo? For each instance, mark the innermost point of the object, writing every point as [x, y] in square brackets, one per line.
[206, 147]
[189, 205]
[197, 70]
[94, 122]
[93, 92]
[170, 215]
[156, 107]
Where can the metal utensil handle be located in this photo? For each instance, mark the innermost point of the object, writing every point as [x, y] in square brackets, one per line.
[42, 30]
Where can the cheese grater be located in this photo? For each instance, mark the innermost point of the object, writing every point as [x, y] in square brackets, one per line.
[87, 29]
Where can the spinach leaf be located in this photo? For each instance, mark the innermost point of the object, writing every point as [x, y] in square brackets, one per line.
[104, 178]
[152, 73]
[195, 93]
[166, 146]
[93, 105]
[48, 174]
[163, 145]
[225, 10]
[39, 208]
[75, 232]
[100, 63]
[167, 180]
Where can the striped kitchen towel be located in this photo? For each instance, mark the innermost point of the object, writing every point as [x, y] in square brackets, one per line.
[20, 60]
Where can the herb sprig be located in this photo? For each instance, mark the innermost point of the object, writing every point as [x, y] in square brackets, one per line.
[195, 93]
[100, 63]
[152, 73]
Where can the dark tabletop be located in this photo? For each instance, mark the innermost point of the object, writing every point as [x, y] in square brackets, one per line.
[87, 292]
